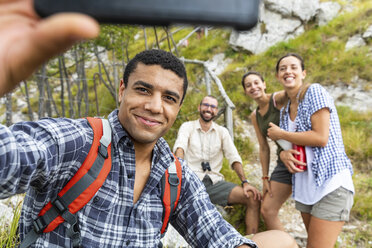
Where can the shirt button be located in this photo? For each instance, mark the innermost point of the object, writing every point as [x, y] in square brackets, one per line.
[128, 242]
[130, 176]
[96, 199]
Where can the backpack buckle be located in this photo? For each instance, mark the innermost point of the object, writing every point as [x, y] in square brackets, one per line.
[173, 179]
[60, 205]
[39, 225]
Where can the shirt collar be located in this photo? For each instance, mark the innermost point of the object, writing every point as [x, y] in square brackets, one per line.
[198, 126]
[161, 151]
[118, 130]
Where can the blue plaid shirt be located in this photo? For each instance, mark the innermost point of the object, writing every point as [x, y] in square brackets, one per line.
[40, 157]
[328, 160]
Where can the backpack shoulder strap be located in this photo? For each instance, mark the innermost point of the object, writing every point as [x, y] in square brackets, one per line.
[170, 190]
[80, 189]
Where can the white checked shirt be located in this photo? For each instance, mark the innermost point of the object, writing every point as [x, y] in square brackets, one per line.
[328, 160]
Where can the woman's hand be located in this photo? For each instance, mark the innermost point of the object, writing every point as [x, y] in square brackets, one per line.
[266, 188]
[290, 161]
[274, 132]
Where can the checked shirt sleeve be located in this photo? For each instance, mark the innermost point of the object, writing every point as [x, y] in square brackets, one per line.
[319, 98]
[33, 153]
[197, 219]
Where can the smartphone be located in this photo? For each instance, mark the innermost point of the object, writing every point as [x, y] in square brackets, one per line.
[239, 14]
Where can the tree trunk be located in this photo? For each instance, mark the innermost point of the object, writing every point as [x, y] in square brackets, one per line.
[173, 42]
[78, 81]
[9, 112]
[68, 83]
[156, 37]
[51, 101]
[145, 37]
[62, 95]
[30, 114]
[100, 63]
[84, 80]
[95, 76]
[167, 34]
[40, 84]
[115, 71]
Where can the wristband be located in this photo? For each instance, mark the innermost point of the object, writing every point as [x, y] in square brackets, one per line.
[244, 181]
[265, 178]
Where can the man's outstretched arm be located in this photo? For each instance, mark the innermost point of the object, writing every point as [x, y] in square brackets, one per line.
[26, 41]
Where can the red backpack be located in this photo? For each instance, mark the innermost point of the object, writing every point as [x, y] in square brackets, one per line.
[87, 181]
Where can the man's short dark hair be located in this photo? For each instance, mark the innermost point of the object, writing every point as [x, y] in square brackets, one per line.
[210, 96]
[158, 57]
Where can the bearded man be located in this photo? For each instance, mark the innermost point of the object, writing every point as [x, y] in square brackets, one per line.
[203, 144]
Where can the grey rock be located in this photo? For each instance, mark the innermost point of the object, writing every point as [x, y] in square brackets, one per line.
[355, 41]
[272, 29]
[279, 20]
[303, 9]
[368, 33]
[327, 11]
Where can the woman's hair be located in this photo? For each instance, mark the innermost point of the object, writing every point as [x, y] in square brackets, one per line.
[291, 55]
[251, 73]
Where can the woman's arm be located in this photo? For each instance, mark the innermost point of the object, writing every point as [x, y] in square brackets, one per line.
[317, 136]
[264, 153]
[264, 148]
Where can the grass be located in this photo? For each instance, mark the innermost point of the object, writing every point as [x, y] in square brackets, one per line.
[362, 208]
[9, 232]
[357, 136]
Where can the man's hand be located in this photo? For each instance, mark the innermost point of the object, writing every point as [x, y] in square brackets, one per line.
[289, 160]
[179, 153]
[256, 194]
[26, 41]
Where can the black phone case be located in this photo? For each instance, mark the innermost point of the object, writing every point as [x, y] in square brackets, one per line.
[240, 14]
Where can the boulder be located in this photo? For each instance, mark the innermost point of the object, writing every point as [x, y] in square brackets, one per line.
[281, 20]
[355, 41]
[368, 33]
[327, 11]
[304, 10]
[271, 29]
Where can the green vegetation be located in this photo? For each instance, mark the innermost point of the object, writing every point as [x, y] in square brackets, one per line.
[9, 232]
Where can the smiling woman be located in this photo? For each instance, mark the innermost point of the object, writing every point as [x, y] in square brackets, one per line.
[277, 188]
[324, 192]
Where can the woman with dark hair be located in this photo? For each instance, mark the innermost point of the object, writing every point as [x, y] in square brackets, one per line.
[323, 190]
[277, 188]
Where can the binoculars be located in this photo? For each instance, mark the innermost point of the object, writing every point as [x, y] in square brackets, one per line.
[206, 166]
